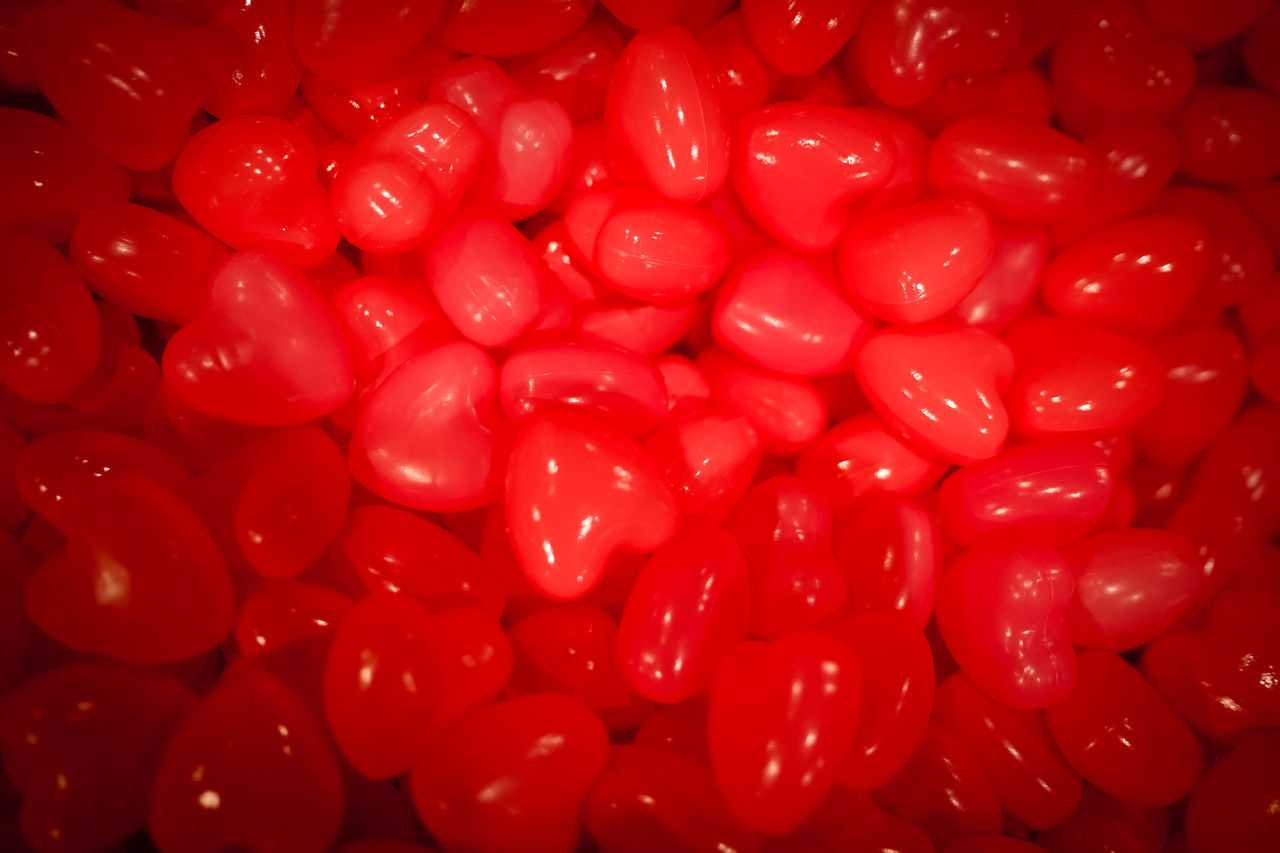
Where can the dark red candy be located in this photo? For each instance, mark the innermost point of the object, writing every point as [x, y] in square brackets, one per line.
[1230, 135]
[355, 37]
[1241, 466]
[1003, 613]
[783, 716]
[1232, 808]
[278, 613]
[1120, 735]
[512, 776]
[250, 766]
[81, 743]
[506, 28]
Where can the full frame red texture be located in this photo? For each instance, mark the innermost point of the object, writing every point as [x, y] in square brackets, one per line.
[722, 426]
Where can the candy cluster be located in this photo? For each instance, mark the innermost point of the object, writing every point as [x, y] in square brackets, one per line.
[494, 426]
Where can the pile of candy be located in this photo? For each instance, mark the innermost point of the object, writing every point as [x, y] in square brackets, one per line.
[644, 425]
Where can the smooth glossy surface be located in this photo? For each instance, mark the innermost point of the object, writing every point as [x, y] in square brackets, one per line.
[709, 457]
[862, 456]
[1232, 806]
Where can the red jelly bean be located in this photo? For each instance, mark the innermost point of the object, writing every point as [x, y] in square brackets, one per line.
[784, 528]
[657, 251]
[916, 262]
[250, 766]
[1135, 276]
[50, 175]
[783, 716]
[887, 548]
[1077, 378]
[1232, 807]
[650, 798]
[1018, 170]
[801, 193]
[279, 613]
[115, 76]
[1242, 464]
[798, 39]
[1122, 737]
[268, 350]
[76, 740]
[146, 262]
[1007, 287]
[399, 448]
[1110, 60]
[390, 686]
[905, 49]
[664, 124]
[709, 457]
[251, 181]
[572, 649]
[1031, 780]
[862, 455]
[344, 39]
[1230, 135]
[689, 605]
[139, 580]
[943, 789]
[897, 695]
[49, 327]
[1049, 493]
[503, 28]
[577, 491]
[940, 386]
[512, 777]
[785, 313]
[744, 78]
[1003, 612]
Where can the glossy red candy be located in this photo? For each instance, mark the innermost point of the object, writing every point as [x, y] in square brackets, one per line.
[575, 71]
[640, 327]
[861, 456]
[506, 28]
[943, 789]
[916, 262]
[576, 492]
[1231, 808]
[786, 412]
[268, 350]
[650, 799]
[784, 528]
[1049, 493]
[250, 766]
[345, 39]
[786, 313]
[1076, 378]
[689, 605]
[279, 613]
[887, 548]
[49, 328]
[50, 175]
[512, 777]
[897, 682]
[139, 579]
[430, 435]
[1219, 676]
[799, 38]
[1031, 780]
[146, 262]
[1003, 610]
[709, 457]
[783, 716]
[391, 685]
[664, 124]
[572, 649]
[940, 386]
[742, 75]
[1007, 287]
[1122, 737]
[1110, 60]
[1230, 135]
[1135, 276]
[1242, 464]
[1020, 171]
[657, 251]
[251, 182]
[115, 76]
[382, 547]
[797, 168]
[76, 741]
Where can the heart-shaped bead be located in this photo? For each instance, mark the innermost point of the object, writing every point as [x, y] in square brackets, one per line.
[940, 385]
[797, 168]
[576, 492]
[267, 351]
[1003, 613]
[140, 578]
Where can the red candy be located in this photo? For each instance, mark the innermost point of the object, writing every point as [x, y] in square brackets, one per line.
[552, 425]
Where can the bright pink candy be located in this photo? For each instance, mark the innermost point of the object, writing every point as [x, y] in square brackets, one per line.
[268, 349]
[664, 124]
[576, 492]
[251, 182]
[1003, 613]
[689, 605]
[783, 714]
